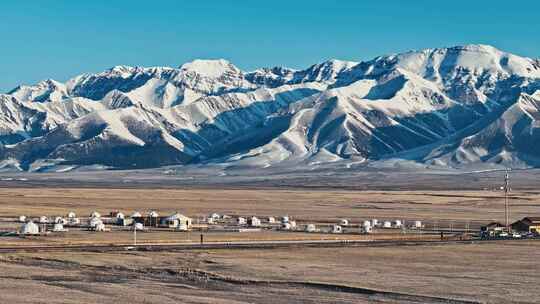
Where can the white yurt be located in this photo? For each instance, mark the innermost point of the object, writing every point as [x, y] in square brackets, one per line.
[22, 218]
[74, 221]
[311, 228]
[153, 214]
[210, 220]
[241, 221]
[224, 217]
[337, 229]
[374, 222]
[214, 216]
[418, 224]
[271, 220]
[99, 227]
[60, 220]
[366, 229]
[285, 219]
[95, 214]
[398, 224]
[120, 216]
[286, 226]
[94, 222]
[293, 224]
[136, 214]
[344, 222]
[254, 221]
[138, 226]
[387, 224]
[58, 227]
[43, 220]
[71, 214]
[29, 228]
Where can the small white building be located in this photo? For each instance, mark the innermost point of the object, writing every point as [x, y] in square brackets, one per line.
[374, 222]
[210, 220]
[311, 228]
[176, 220]
[29, 228]
[366, 224]
[241, 221]
[337, 229]
[22, 218]
[418, 225]
[43, 219]
[344, 222]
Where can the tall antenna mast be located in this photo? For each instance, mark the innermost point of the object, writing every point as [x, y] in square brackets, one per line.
[506, 189]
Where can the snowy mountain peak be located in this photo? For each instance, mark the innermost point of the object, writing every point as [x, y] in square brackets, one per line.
[210, 68]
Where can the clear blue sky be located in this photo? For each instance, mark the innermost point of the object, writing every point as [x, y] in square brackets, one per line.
[60, 39]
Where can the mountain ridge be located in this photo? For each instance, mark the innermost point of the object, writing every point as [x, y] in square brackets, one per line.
[211, 111]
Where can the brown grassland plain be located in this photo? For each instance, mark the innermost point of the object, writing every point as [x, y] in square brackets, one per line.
[492, 272]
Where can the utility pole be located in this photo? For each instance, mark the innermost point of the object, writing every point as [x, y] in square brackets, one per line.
[506, 189]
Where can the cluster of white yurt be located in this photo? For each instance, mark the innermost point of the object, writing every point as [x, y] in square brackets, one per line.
[29, 228]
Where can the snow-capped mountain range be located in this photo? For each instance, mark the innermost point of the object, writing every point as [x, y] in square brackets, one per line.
[447, 107]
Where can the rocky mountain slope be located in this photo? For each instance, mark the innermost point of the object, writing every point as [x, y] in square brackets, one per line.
[446, 107]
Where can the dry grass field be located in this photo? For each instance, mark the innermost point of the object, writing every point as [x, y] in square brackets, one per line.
[485, 273]
[317, 205]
